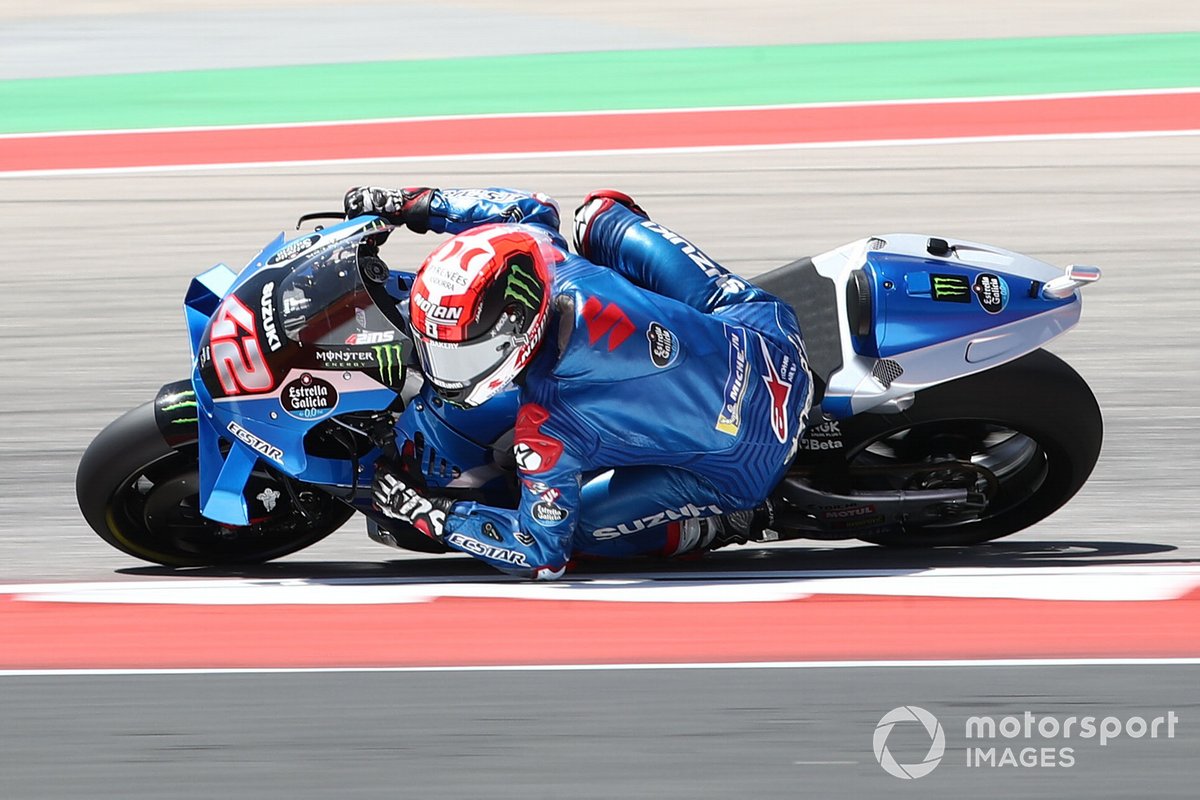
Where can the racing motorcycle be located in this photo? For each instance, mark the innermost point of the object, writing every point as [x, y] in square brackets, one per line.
[938, 419]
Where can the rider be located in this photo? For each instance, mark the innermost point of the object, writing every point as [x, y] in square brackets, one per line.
[662, 397]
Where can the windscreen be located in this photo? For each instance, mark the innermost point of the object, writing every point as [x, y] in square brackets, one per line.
[323, 301]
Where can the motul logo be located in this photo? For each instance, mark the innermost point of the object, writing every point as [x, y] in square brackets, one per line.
[610, 321]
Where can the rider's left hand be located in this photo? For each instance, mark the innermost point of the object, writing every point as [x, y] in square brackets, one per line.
[398, 500]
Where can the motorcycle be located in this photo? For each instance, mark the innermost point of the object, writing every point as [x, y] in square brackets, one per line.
[937, 419]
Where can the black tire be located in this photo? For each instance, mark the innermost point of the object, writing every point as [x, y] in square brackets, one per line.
[1041, 411]
[140, 494]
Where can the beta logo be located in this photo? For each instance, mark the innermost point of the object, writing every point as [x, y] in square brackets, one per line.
[308, 397]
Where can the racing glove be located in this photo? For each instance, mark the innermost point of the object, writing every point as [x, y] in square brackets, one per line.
[398, 500]
[409, 207]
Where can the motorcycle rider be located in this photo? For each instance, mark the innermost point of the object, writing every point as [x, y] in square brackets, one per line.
[662, 397]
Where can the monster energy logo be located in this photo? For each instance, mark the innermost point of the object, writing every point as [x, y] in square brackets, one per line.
[522, 285]
[950, 288]
[182, 403]
[391, 367]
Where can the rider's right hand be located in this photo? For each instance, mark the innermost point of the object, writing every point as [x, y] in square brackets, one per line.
[409, 206]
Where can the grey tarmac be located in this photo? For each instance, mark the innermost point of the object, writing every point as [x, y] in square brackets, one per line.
[686, 734]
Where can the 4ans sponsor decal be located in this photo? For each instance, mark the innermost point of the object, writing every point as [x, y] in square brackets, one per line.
[370, 337]
[485, 550]
[730, 419]
[992, 292]
[664, 346]
[308, 397]
[688, 511]
[260, 446]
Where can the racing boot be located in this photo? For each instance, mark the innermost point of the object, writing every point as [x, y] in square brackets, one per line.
[742, 527]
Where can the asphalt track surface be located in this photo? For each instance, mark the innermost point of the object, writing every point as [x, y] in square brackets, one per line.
[90, 290]
[704, 733]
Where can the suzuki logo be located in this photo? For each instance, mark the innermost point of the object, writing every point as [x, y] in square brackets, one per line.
[611, 320]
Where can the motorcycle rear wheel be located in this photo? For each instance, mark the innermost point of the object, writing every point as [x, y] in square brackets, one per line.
[1033, 423]
[141, 495]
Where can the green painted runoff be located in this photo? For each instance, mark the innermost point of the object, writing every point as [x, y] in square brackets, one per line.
[635, 79]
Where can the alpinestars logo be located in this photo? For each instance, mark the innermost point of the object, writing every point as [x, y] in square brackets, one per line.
[780, 387]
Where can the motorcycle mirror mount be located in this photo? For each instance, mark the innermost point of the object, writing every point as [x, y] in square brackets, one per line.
[319, 215]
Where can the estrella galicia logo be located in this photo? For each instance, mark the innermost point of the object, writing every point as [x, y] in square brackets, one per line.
[549, 513]
[295, 248]
[664, 347]
[992, 291]
[950, 288]
[937, 742]
[308, 397]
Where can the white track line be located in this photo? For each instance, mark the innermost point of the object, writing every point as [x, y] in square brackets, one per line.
[1049, 137]
[1089, 584]
[910, 664]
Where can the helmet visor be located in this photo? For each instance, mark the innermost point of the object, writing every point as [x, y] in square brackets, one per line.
[460, 365]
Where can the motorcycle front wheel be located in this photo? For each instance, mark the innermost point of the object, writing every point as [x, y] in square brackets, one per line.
[141, 495]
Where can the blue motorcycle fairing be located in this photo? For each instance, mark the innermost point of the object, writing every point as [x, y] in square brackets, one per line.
[261, 425]
[920, 302]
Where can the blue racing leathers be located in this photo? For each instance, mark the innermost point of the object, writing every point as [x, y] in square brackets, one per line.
[666, 391]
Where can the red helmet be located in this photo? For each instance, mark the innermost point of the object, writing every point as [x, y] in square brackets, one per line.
[479, 307]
